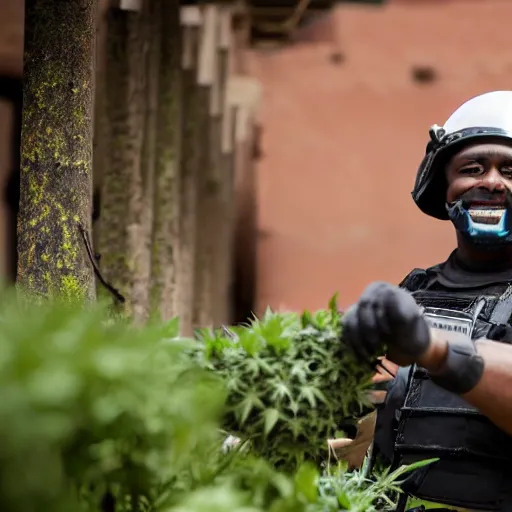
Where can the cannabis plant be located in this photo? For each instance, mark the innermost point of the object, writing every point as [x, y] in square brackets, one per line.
[98, 416]
[250, 484]
[291, 383]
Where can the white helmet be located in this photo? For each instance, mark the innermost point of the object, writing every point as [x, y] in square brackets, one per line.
[488, 115]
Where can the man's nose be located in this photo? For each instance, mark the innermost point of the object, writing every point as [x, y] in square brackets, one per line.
[493, 180]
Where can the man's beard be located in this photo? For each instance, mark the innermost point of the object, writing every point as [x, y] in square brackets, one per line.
[487, 226]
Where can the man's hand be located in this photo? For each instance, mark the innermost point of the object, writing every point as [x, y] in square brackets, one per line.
[387, 316]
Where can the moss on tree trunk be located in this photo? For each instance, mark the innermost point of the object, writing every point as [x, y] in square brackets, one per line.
[122, 184]
[56, 148]
[152, 35]
[165, 233]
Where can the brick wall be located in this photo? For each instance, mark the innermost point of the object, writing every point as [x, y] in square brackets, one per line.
[343, 138]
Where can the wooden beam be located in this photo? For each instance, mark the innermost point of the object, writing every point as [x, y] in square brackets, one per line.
[245, 93]
[281, 12]
[130, 5]
[191, 19]
[190, 16]
[208, 46]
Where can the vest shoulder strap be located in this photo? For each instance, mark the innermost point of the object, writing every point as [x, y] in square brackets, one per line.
[413, 280]
[503, 310]
[420, 279]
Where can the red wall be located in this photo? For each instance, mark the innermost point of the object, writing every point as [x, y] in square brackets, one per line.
[342, 142]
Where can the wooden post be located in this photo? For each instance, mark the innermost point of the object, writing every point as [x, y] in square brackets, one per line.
[191, 146]
[223, 193]
[56, 149]
[152, 11]
[208, 176]
[165, 237]
[122, 185]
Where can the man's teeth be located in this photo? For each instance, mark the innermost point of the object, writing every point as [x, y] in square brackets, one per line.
[486, 215]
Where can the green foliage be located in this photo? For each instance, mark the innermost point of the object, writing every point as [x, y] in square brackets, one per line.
[253, 485]
[94, 408]
[290, 381]
[91, 403]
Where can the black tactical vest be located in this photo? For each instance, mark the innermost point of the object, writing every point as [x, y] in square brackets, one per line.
[474, 470]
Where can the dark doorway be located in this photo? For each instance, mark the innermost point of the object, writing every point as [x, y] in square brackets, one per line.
[245, 276]
[11, 91]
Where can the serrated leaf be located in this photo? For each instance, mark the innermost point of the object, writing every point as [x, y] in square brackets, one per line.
[296, 365]
[307, 393]
[270, 416]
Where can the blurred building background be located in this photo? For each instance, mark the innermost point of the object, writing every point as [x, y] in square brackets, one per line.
[345, 114]
[348, 92]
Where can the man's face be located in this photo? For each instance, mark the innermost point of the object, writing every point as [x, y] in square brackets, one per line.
[482, 173]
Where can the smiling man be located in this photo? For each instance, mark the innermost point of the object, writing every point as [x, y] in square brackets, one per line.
[449, 326]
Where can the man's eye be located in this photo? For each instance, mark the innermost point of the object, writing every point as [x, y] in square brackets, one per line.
[507, 172]
[473, 169]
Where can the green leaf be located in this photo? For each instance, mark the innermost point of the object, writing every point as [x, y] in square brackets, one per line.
[306, 482]
[344, 500]
[306, 319]
[271, 416]
[171, 328]
[333, 304]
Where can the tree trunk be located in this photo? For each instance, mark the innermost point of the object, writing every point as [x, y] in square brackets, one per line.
[191, 147]
[165, 235]
[122, 184]
[100, 139]
[222, 193]
[209, 123]
[56, 149]
[152, 37]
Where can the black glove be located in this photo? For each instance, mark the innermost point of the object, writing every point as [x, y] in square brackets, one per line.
[385, 316]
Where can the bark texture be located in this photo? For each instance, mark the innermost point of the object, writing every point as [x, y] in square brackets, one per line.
[191, 147]
[152, 37]
[165, 234]
[209, 122]
[222, 191]
[100, 139]
[122, 191]
[56, 149]
[206, 188]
